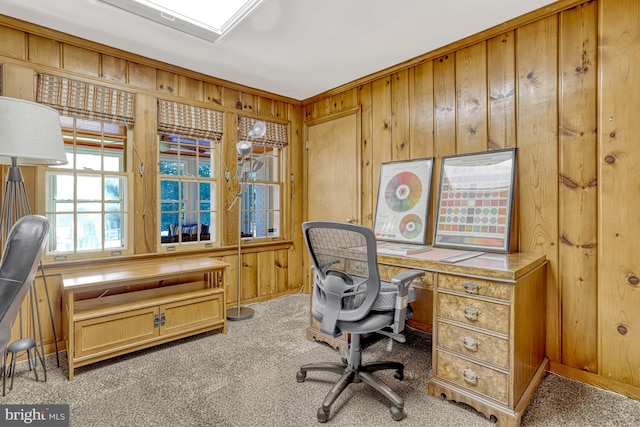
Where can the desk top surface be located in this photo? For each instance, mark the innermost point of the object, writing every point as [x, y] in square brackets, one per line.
[138, 270]
[490, 265]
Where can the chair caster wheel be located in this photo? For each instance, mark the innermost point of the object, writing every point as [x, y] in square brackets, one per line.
[396, 413]
[323, 415]
[399, 375]
[300, 376]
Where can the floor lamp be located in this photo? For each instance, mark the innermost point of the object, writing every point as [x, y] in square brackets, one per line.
[30, 134]
[244, 152]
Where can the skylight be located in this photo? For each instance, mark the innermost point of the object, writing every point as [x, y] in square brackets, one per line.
[212, 13]
[209, 20]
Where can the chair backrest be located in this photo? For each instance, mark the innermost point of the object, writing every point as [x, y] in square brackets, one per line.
[346, 276]
[20, 259]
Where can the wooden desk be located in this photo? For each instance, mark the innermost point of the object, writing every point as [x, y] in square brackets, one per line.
[127, 306]
[487, 316]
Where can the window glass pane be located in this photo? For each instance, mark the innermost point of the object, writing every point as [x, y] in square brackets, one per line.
[89, 231]
[59, 192]
[62, 237]
[89, 187]
[169, 227]
[114, 188]
[273, 224]
[89, 158]
[113, 233]
[114, 160]
[273, 197]
[169, 191]
[260, 227]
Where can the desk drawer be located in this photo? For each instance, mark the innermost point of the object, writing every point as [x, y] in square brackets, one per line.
[472, 376]
[474, 344]
[470, 311]
[472, 286]
[388, 272]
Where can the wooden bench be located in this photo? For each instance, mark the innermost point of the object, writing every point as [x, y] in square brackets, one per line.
[122, 307]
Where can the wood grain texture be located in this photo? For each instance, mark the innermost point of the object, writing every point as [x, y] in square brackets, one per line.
[368, 197]
[473, 312]
[471, 99]
[444, 89]
[536, 67]
[381, 138]
[479, 345]
[44, 51]
[421, 110]
[400, 116]
[13, 43]
[112, 68]
[501, 87]
[577, 269]
[619, 192]
[80, 60]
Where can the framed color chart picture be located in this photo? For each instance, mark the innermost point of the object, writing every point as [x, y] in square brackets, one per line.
[403, 200]
[475, 201]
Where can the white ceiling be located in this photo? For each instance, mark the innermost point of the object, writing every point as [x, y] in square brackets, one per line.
[293, 48]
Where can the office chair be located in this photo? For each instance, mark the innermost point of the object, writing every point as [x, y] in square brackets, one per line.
[348, 297]
[20, 259]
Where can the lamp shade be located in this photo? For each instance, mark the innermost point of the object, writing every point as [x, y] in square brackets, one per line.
[258, 130]
[243, 148]
[30, 133]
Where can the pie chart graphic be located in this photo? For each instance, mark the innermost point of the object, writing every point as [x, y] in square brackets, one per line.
[403, 191]
[411, 226]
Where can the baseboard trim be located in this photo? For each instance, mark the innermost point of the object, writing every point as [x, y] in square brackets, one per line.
[595, 380]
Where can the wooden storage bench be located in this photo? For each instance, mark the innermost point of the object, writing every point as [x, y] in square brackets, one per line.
[134, 304]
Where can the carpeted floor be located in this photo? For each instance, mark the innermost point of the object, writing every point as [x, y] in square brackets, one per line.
[248, 378]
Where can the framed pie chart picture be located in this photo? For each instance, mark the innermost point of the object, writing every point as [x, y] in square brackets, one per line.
[403, 200]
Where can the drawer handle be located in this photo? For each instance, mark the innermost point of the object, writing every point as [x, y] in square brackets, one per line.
[471, 313]
[156, 320]
[469, 376]
[471, 287]
[163, 319]
[469, 343]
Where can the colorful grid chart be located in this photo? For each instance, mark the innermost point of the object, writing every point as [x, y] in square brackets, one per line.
[474, 209]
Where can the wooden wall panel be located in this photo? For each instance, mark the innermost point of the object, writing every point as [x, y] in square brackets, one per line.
[44, 51]
[167, 82]
[471, 95]
[13, 43]
[380, 129]
[400, 114]
[266, 273]
[444, 100]
[501, 86]
[368, 197]
[190, 88]
[577, 267]
[142, 76]
[421, 106]
[212, 93]
[619, 192]
[80, 60]
[112, 68]
[537, 70]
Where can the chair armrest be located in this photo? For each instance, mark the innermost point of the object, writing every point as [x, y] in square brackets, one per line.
[406, 276]
[402, 282]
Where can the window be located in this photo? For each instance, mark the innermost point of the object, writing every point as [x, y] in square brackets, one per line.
[86, 200]
[188, 190]
[261, 194]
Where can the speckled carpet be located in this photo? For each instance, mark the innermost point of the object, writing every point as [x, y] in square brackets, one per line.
[248, 378]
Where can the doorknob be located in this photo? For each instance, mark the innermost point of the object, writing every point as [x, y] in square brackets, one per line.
[351, 220]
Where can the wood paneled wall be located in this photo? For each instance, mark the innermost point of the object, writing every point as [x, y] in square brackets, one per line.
[26, 49]
[537, 85]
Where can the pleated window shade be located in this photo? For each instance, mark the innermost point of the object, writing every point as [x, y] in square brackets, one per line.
[85, 100]
[276, 135]
[188, 120]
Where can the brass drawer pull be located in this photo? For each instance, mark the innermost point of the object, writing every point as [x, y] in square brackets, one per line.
[471, 287]
[469, 343]
[471, 313]
[469, 376]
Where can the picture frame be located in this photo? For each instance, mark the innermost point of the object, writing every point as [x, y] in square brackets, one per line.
[475, 201]
[403, 201]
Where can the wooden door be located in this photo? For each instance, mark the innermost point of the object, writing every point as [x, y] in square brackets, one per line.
[333, 178]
